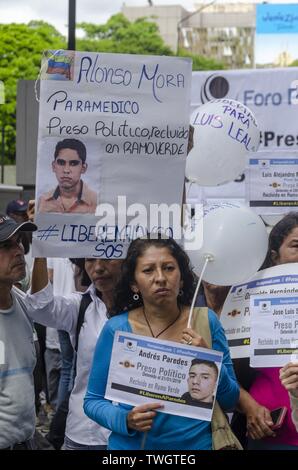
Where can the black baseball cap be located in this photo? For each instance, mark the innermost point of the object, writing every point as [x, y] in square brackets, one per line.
[8, 227]
[16, 206]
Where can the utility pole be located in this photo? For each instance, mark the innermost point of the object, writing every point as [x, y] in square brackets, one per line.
[71, 25]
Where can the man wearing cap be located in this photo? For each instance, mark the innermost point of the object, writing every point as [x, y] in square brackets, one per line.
[72, 195]
[17, 351]
[17, 210]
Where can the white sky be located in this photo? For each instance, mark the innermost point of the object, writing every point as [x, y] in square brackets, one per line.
[55, 12]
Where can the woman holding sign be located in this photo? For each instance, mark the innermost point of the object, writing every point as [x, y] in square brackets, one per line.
[153, 299]
[267, 405]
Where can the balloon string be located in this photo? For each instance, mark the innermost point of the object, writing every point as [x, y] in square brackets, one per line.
[143, 440]
[208, 258]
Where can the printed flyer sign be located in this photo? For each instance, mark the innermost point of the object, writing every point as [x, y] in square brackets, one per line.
[273, 183]
[274, 330]
[235, 316]
[147, 370]
[109, 135]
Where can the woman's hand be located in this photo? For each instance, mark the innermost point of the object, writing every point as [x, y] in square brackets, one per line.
[141, 417]
[289, 378]
[192, 338]
[259, 422]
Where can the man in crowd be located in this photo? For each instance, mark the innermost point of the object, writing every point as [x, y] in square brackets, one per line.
[17, 351]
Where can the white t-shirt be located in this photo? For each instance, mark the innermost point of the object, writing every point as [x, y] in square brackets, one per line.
[17, 361]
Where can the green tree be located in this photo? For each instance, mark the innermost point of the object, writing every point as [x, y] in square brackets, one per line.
[21, 48]
[294, 64]
[123, 36]
[201, 63]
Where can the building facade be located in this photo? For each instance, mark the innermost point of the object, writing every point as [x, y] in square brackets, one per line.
[223, 31]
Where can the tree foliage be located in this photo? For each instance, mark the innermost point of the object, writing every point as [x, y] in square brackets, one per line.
[123, 36]
[201, 63]
[294, 64]
[21, 48]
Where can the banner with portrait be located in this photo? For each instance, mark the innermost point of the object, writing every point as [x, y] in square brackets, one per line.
[184, 379]
[112, 143]
[274, 330]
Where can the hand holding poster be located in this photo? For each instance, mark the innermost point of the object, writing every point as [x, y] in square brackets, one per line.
[182, 378]
[109, 133]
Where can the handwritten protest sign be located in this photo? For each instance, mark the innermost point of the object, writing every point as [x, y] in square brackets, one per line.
[130, 115]
[235, 316]
[146, 370]
[274, 330]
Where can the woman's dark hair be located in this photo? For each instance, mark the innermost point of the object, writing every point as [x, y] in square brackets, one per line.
[123, 299]
[84, 278]
[277, 235]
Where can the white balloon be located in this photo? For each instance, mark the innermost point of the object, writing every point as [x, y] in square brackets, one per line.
[225, 131]
[237, 241]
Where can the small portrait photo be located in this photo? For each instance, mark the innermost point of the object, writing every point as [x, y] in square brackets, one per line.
[58, 65]
[202, 383]
[65, 181]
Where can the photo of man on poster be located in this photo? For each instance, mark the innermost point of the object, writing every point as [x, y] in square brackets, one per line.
[202, 380]
[72, 195]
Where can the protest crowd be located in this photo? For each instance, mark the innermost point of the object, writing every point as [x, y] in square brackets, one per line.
[124, 352]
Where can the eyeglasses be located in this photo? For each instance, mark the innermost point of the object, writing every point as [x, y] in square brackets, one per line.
[62, 162]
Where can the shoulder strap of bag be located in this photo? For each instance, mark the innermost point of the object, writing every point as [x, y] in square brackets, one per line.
[85, 302]
[222, 435]
[200, 323]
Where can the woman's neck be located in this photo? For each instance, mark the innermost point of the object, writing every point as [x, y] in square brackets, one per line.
[161, 313]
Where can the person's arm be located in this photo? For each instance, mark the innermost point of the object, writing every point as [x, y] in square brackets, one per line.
[39, 278]
[96, 407]
[289, 378]
[258, 417]
[45, 308]
[228, 388]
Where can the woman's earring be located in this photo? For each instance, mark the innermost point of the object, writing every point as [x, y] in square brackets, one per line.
[136, 296]
[180, 293]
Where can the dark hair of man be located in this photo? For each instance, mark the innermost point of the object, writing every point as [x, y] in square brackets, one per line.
[279, 232]
[210, 364]
[123, 294]
[72, 144]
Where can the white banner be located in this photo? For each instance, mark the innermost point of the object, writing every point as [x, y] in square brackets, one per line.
[274, 330]
[123, 110]
[273, 183]
[272, 96]
[182, 378]
[235, 316]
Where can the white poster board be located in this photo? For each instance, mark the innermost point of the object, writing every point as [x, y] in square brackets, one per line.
[235, 316]
[271, 94]
[124, 110]
[274, 330]
[148, 370]
[273, 183]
